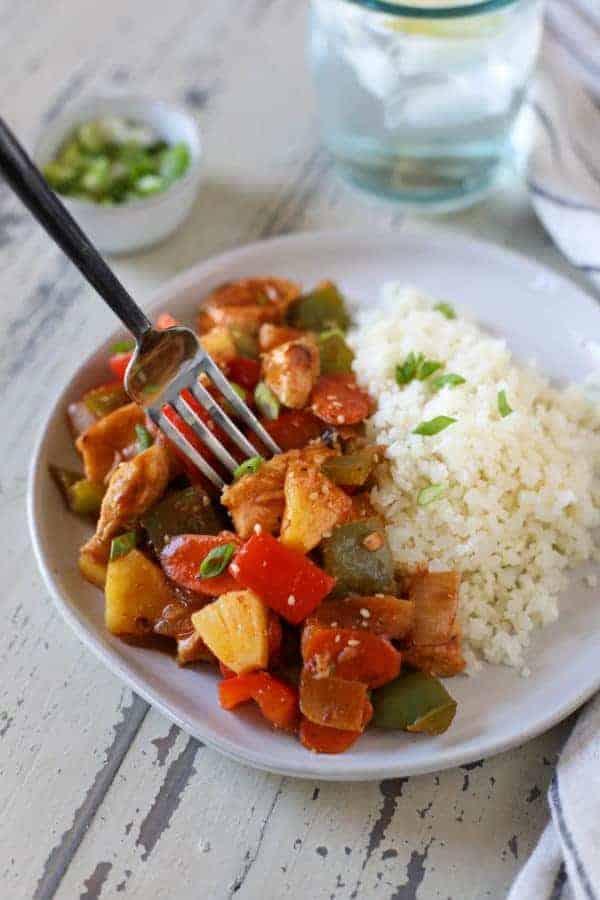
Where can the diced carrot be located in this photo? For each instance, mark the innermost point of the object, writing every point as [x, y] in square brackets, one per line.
[183, 555]
[338, 400]
[293, 429]
[353, 655]
[244, 371]
[166, 320]
[284, 579]
[324, 739]
[278, 701]
[118, 363]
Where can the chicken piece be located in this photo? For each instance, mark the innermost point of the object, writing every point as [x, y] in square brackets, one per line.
[434, 645]
[291, 370]
[247, 303]
[258, 499]
[102, 445]
[220, 344]
[313, 506]
[134, 487]
[443, 660]
[271, 336]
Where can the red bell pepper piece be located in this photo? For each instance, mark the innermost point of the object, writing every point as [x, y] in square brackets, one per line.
[353, 654]
[182, 557]
[278, 701]
[284, 579]
[244, 371]
[118, 363]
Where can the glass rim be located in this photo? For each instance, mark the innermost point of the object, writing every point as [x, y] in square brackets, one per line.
[458, 10]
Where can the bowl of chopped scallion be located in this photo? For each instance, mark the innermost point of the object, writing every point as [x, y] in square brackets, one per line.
[128, 168]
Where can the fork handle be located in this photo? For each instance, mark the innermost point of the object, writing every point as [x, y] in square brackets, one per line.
[27, 182]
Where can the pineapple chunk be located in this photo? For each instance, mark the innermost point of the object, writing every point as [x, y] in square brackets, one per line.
[92, 568]
[235, 628]
[220, 344]
[136, 593]
[313, 505]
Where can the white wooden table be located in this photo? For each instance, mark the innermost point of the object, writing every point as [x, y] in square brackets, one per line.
[99, 794]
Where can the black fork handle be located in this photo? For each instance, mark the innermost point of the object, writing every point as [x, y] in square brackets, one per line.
[27, 182]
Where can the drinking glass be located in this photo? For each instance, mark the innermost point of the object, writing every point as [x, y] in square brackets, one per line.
[418, 100]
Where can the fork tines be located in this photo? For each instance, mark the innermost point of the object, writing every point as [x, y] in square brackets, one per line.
[184, 396]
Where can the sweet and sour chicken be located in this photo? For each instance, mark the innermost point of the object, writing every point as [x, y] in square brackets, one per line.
[285, 583]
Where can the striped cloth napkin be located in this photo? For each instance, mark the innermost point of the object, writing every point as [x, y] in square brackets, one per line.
[564, 182]
[564, 167]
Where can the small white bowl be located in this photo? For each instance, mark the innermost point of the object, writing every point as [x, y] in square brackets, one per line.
[137, 223]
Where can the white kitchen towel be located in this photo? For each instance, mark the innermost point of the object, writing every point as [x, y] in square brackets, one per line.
[565, 865]
[564, 166]
[564, 182]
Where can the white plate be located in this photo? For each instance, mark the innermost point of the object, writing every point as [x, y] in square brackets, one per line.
[541, 314]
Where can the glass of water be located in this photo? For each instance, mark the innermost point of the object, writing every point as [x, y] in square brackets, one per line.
[418, 100]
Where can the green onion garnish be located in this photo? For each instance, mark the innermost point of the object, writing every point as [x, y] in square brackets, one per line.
[449, 380]
[215, 562]
[434, 426]
[266, 401]
[122, 347]
[446, 310]
[430, 494]
[249, 467]
[503, 407]
[239, 390]
[408, 369]
[144, 438]
[122, 545]
[427, 368]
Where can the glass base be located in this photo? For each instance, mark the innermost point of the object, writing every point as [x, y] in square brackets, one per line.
[425, 192]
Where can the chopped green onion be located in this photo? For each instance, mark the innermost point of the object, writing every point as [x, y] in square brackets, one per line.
[239, 390]
[144, 438]
[408, 369]
[215, 562]
[446, 310]
[175, 161]
[266, 401]
[434, 426]
[448, 380]
[122, 347]
[249, 467]
[427, 368]
[122, 545]
[430, 494]
[149, 184]
[503, 407]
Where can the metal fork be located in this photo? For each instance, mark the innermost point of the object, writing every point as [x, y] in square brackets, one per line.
[164, 363]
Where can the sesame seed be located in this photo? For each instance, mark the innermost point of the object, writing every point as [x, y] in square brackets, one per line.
[338, 638]
[353, 643]
[380, 595]
[334, 624]
[257, 528]
[314, 495]
[206, 500]
[340, 420]
[235, 569]
[291, 600]
[365, 613]
[325, 488]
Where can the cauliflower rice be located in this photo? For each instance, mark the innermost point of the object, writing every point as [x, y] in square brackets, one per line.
[521, 492]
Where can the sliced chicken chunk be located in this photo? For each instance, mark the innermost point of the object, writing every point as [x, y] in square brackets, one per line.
[102, 445]
[133, 488]
[259, 498]
[291, 370]
[247, 303]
